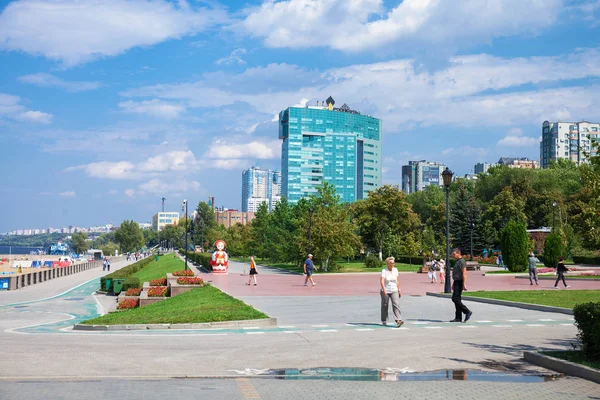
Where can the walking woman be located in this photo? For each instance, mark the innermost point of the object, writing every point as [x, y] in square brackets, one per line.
[560, 271]
[390, 290]
[253, 272]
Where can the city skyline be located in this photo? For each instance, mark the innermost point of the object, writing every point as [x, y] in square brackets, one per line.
[101, 118]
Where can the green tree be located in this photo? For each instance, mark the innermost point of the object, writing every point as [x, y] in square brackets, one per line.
[261, 226]
[332, 232]
[129, 236]
[79, 242]
[174, 235]
[109, 248]
[515, 246]
[465, 218]
[385, 211]
[503, 208]
[203, 223]
[150, 237]
[553, 248]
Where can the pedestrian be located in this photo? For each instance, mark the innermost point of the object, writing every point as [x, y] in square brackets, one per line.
[432, 269]
[533, 261]
[390, 290]
[108, 264]
[459, 276]
[442, 264]
[501, 261]
[253, 272]
[309, 268]
[104, 264]
[560, 271]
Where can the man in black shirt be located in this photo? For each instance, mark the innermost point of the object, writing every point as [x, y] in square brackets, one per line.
[459, 276]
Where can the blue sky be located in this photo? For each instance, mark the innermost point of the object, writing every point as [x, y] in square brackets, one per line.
[106, 105]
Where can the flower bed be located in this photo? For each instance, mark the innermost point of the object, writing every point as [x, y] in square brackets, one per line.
[133, 292]
[188, 272]
[127, 304]
[157, 291]
[158, 282]
[190, 281]
[544, 270]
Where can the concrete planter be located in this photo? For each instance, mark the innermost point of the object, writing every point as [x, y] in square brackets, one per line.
[146, 300]
[177, 289]
[562, 366]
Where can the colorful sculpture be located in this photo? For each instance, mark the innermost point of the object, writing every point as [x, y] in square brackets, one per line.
[220, 260]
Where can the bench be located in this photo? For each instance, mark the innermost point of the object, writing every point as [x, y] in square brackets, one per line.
[473, 266]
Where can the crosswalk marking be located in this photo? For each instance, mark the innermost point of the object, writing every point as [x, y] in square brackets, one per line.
[433, 327]
[291, 331]
[363, 329]
[287, 326]
[567, 324]
[255, 333]
[319, 326]
[327, 330]
[483, 322]
[466, 326]
[420, 323]
[251, 327]
[534, 325]
[502, 326]
[546, 319]
[514, 320]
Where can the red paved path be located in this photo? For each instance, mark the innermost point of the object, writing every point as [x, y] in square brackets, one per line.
[368, 284]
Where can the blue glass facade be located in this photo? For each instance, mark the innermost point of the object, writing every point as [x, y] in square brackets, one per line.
[319, 144]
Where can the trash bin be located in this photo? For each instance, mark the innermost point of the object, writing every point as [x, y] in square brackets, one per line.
[156, 259]
[107, 285]
[117, 286]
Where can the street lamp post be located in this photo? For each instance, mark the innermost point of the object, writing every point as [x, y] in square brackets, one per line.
[472, 228]
[447, 177]
[553, 216]
[310, 214]
[184, 204]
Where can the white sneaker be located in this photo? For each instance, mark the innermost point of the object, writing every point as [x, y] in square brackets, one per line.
[567, 287]
[555, 287]
[314, 284]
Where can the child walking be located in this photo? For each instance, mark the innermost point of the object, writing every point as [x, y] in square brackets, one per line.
[253, 272]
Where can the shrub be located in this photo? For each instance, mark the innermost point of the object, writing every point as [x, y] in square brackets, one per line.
[587, 320]
[133, 292]
[126, 271]
[158, 282]
[553, 248]
[515, 246]
[127, 304]
[586, 260]
[372, 261]
[131, 282]
[157, 291]
[190, 281]
[188, 272]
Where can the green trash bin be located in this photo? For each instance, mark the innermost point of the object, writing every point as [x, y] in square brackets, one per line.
[117, 286]
[107, 285]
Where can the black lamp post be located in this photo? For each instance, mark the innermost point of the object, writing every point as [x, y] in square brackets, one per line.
[447, 177]
[472, 228]
[310, 214]
[553, 216]
[185, 207]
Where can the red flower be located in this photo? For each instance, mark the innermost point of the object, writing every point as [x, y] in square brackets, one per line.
[158, 282]
[188, 272]
[133, 291]
[190, 281]
[127, 304]
[157, 291]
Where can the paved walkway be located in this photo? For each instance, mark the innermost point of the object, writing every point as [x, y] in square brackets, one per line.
[318, 327]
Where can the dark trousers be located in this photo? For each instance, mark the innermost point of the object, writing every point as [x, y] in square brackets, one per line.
[457, 288]
[561, 275]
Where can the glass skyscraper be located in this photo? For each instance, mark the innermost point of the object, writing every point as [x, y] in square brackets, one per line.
[326, 144]
[260, 186]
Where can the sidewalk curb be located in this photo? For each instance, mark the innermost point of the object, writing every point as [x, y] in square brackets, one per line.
[562, 366]
[553, 278]
[251, 323]
[507, 303]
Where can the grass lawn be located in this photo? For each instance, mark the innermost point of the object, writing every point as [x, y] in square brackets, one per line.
[204, 304]
[573, 356]
[346, 267]
[555, 298]
[156, 270]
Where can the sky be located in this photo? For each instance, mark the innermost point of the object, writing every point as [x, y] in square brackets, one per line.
[108, 105]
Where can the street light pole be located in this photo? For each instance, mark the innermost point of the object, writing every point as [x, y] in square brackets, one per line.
[186, 232]
[553, 216]
[472, 227]
[447, 177]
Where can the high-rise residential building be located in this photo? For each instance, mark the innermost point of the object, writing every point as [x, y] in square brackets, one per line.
[260, 186]
[327, 144]
[417, 175]
[568, 140]
[523, 162]
[481, 168]
[162, 219]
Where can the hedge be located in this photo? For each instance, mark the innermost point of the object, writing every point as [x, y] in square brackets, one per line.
[553, 249]
[587, 320]
[586, 260]
[199, 258]
[514, 243]
[127, 271]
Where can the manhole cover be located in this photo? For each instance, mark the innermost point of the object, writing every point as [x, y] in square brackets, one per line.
[74, 298]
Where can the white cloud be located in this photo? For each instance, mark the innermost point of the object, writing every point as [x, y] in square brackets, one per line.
[11, 107]
[222, 149]
[48, 80]
[155, 108]
[234, 58]
[162, 186]
[173, 161]
[519, 141]
[75, 32]
[367, 24]
[67, 194]
[474, 90]
[35, 116]
[129, 192]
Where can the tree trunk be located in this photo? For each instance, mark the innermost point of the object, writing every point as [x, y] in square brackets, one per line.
[326, 263]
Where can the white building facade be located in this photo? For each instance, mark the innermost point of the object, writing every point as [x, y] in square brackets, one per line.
[568, 140]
